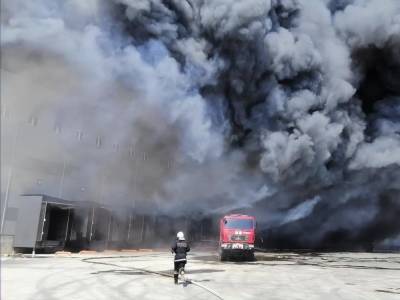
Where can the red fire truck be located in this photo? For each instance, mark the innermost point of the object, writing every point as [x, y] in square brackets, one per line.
[237, 236]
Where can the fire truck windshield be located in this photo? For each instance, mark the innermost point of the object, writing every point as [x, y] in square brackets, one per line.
[239, 223]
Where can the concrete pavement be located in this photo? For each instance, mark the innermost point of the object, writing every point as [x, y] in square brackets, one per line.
[328, 276]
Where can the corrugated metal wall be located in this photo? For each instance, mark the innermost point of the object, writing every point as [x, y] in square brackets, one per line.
[40, 157]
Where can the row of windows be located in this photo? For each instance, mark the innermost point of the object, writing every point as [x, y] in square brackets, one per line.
[80, 136]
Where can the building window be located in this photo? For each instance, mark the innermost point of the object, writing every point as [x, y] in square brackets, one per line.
[131, 151]
[98, 141]
[79, 135]
[57, 129]
[33, 121]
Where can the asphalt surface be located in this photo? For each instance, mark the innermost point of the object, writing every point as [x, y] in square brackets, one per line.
[145, 275]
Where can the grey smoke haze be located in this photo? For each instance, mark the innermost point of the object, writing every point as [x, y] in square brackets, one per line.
[219, 105]
[300, 211]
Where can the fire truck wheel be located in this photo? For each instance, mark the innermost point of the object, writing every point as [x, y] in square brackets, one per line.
[222, 255]
[251, 256]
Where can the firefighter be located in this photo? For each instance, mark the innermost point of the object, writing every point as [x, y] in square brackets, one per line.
[180, 247]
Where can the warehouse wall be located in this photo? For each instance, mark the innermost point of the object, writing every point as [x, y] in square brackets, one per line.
[39, 157]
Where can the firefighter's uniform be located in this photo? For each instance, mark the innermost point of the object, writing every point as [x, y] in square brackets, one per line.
[180, 247]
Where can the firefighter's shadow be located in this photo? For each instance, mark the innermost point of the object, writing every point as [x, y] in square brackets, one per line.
[196, 271]
[201, 271]
[186, 283]
[132, 272]
[189, 281]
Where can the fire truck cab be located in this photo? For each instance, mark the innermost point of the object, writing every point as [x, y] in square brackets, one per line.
[237, 236]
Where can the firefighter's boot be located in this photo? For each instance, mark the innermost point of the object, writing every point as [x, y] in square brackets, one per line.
[176, 278]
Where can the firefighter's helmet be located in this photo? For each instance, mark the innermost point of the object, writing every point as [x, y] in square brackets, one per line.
[180, 236]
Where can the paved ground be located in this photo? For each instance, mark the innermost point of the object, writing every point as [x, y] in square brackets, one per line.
[273, 276]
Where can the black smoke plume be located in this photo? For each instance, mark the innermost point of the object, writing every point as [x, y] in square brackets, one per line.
[287, 109]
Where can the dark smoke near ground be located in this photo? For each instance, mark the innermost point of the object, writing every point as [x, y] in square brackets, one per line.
[287, 109]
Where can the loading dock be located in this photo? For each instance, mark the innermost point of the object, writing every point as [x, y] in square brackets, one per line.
[50, 224]
[43, 222]
[118, 231]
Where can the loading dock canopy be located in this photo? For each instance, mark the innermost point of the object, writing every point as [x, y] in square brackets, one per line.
[42, 219]
[45, 221]
[29, 210]
[52, 224]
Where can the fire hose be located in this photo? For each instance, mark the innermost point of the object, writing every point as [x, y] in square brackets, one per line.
[92, 260]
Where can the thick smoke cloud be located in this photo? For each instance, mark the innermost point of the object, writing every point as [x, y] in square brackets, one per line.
[288, 109]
